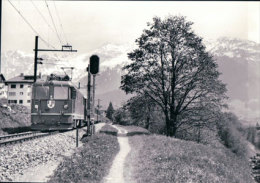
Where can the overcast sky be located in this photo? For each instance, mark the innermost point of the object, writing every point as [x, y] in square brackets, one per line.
[89, 25]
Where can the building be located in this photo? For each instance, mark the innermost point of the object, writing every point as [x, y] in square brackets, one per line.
[3, 90]
[20, 90]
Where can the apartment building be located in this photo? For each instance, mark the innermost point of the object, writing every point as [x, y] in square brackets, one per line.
[20, 90]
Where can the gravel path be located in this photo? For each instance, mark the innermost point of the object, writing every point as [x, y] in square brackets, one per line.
[35, 161]
[116, 171]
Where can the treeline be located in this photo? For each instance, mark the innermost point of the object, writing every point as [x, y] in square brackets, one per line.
[252, 134]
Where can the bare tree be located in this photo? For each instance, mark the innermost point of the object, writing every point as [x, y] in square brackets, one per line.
[172, 67]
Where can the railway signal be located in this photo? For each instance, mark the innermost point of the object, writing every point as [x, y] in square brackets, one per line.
[94, 64]
[93, 68]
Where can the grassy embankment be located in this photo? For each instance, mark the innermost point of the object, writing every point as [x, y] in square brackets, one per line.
[91, 162]
[15, 119]
[158, 158]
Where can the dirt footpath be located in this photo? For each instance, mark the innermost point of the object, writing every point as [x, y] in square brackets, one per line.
[117, 169]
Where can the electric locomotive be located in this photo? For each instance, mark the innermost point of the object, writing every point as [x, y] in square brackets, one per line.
[57, 104]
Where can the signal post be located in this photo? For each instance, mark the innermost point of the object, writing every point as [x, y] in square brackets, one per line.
[93, 68]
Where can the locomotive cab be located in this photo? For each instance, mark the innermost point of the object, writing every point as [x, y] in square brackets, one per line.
[56, 105]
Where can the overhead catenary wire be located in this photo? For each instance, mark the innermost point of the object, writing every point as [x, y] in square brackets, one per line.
[36, 32]
[62, 29]
[28, 23]
[53, 22]
[49, 63]
[42, 16]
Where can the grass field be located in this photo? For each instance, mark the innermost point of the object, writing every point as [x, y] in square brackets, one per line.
[156, 159]
[90, 163]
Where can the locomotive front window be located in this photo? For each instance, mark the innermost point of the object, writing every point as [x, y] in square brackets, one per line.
[61, 92]
[41, 92]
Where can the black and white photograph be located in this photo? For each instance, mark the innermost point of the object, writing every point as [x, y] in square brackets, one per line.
[130, 91]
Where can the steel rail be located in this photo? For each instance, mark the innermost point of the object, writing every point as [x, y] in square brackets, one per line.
[16, 135]
[24, 138]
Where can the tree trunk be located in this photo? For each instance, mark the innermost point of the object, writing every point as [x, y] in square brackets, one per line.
[173, 123]
[147, 124]
[174, 129]
[167, 121]
[198, 140]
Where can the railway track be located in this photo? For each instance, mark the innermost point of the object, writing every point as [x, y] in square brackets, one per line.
[20, 137]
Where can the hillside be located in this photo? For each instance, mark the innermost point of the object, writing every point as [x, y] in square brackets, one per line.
[239, 63]
[15, 116]
[157, 158]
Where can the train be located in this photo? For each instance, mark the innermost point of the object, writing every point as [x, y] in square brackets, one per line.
[57, 104]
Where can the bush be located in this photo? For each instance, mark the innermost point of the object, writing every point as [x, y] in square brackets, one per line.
[90, 163]
[121, 117]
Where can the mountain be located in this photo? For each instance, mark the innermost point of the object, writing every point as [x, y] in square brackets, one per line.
[239, 63]
[238, 60]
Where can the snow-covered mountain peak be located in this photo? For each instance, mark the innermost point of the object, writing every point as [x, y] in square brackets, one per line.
[233, 47]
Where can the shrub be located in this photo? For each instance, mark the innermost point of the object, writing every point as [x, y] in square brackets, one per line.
[121, 117]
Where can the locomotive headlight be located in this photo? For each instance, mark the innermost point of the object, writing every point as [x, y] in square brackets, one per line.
[36, 106]
[66, 106]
